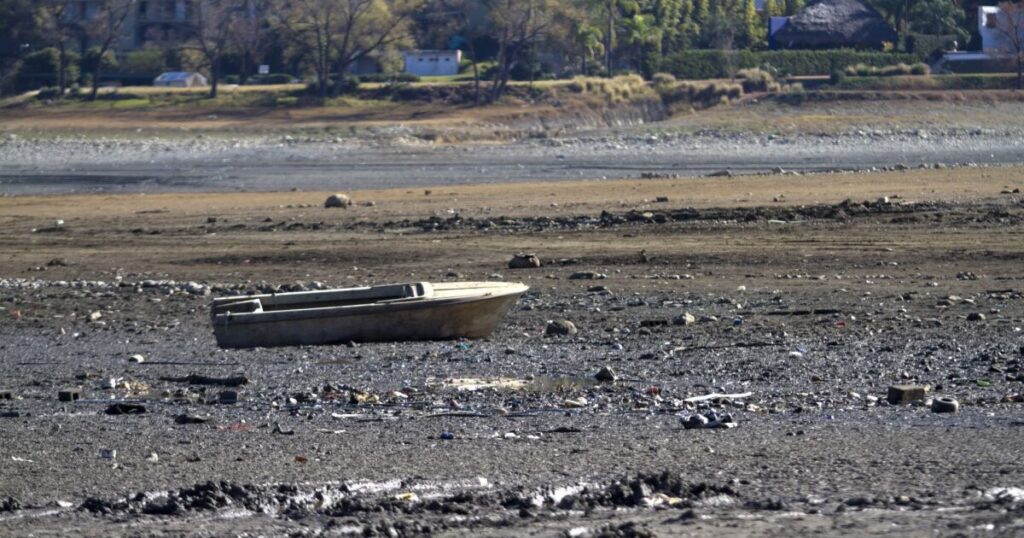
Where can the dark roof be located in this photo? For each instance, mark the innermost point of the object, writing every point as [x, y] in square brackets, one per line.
[833, 24]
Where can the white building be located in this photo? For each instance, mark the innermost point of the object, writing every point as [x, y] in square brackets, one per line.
[992, 27]
[431, 63]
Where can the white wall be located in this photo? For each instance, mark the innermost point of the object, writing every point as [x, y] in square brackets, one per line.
[426, 63]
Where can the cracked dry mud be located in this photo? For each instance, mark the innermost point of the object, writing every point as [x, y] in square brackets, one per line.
[814, 304]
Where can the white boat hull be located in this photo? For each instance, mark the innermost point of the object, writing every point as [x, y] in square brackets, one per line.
[449, 313]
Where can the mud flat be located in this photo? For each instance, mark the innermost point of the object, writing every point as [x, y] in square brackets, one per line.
[808, 297]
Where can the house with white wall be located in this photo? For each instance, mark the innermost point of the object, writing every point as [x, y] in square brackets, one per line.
[432, 63]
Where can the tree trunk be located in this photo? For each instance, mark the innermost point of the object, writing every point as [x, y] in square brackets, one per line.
[62, 68]
[1020, 71]
[214, 76]
[608, 39]
[96, 80]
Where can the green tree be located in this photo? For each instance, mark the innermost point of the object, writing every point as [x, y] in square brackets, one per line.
[57, 27]
[772, 9]
[703, 15]
[644, 38]
[794, 6]
[518, 25]
[18, 30]
[753, 28]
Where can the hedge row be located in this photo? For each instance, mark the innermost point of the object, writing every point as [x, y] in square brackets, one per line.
[704, 64]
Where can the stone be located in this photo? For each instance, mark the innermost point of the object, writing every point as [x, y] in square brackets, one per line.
[338, 200]
[524, 261]
[228, 397]
[6, 395]
[685, 318]
[137, 358]
[587, 275]
[720, 173]
[606, 375]
[905, 394]
[95, 316]
[190, 419]
[975, 316]
[560, 327]
[68, 395]
[125, 409]
[945, 404]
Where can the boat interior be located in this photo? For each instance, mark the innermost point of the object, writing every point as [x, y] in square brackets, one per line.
[321, 298]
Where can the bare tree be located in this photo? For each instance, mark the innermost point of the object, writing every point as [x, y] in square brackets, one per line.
[212, 22]
[250, 34]
[339, 33]
[105, 29]
[1010, 25]
[517, 25]
[57, 26]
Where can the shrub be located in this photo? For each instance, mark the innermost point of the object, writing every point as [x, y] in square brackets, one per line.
[388, 78]
[900, 69]
[272, 78]
[49, 92]
[663, 79]
[149, 61]
[705, 64]
[757, 80]
[231, 79]
[39, 69]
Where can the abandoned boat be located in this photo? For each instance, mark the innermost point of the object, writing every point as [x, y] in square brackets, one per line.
[388, 313]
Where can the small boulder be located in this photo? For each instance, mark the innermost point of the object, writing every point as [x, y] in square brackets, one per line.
[975, 316]
[524, 261]
[560, 327]
[685, 318]
[606, 375]
[338, 200]
[905, 394]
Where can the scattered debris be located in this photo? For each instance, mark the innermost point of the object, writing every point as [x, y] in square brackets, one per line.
[945, 404]
[708, 421]
[125, 409]
[905, 394]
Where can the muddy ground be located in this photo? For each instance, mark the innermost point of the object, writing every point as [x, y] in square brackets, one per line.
[809, 296]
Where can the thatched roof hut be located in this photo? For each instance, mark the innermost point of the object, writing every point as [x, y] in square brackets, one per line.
[827, 24]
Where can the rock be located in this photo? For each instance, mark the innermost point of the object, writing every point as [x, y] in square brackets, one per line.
[190, 419]
[137, 358]
[95, 316]
[6, 395]
[338, 200]
[720, 173]
[606, 375]
[685, 318]
[447, 436]
[524, 261]
[69, 395]
[560, 327]
[945, 404]
[125, 409]
[575, 403]
[195, 288]
[587, 275]
[228, 397]
[905, 394]
[975, 316]
[153, 457]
